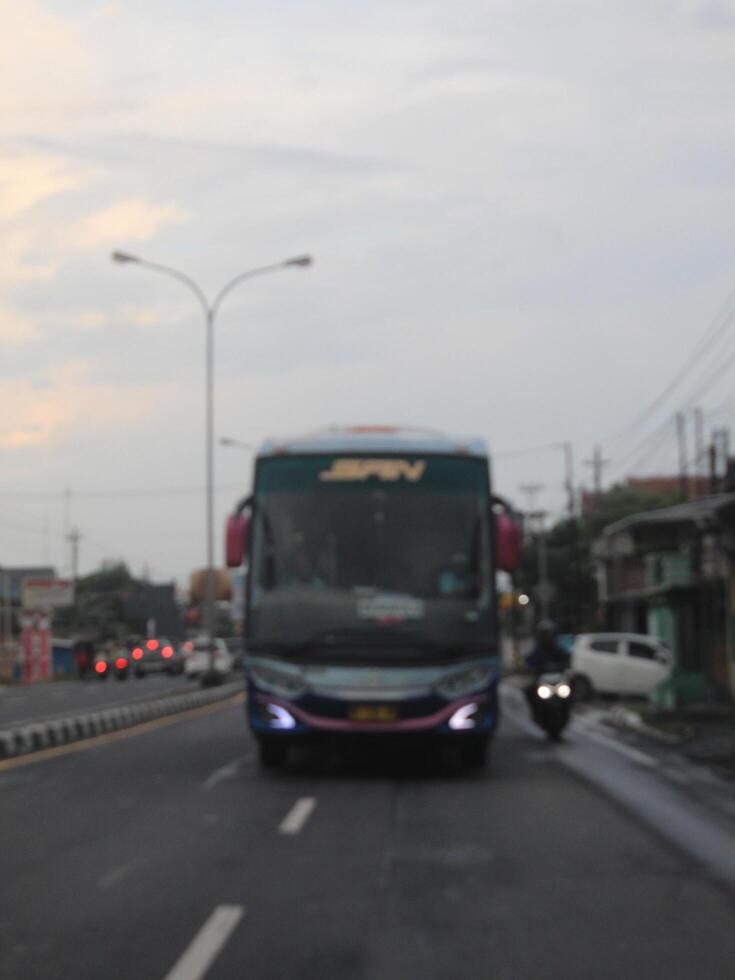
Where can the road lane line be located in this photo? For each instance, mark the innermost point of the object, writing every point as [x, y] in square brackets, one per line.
[297, 815]
[18, 762]
[114, 876]
[640, 758]
[219, 775]
[207, 944]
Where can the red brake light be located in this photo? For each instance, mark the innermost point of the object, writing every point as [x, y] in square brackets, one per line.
[137, 653]
[167, 652]
[121, 663]
[100, 666]
[151, 644]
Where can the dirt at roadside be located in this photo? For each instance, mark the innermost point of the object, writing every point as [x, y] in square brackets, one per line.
[702, 733]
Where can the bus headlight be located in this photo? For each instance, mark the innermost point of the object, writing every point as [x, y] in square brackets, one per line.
[278, 682]
[464, 682]
[279, 717]
[462, 718]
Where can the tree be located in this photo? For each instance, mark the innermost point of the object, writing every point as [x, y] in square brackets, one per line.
[569, 546]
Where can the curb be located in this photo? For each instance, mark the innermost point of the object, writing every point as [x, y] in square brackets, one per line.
[25, 739]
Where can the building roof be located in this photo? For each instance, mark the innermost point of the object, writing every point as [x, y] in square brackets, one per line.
[700, 511]
[375, 439]
[11, 578]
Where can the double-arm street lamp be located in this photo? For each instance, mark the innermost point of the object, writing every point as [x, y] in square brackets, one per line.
[210, 312]
[236, 443]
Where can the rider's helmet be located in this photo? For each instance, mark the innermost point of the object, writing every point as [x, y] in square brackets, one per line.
[546, 629]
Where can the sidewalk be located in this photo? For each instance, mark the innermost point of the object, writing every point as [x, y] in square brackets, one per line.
[703, 734]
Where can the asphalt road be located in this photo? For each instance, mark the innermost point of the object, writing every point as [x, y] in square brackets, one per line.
[126, 857]
[20, 704]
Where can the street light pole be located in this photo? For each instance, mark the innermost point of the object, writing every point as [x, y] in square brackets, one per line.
[236, 443]
[210, 312]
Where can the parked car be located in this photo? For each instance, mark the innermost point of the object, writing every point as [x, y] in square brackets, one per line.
[198, 660]
[155, 655]
[618, 663]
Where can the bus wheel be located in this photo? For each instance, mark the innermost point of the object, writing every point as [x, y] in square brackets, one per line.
[272, 752]
[474, 752]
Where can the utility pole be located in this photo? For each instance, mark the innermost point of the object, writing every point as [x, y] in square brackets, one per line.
[682, 441]
[531, 490]
[7, 608]
[700, 461]
[712, 453]
[598, 464]
[544, 586]
[66, 521]
[74, 537]
[720, 456]
[569, 477]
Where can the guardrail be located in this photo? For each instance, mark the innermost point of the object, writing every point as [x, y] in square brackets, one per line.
[37, 735]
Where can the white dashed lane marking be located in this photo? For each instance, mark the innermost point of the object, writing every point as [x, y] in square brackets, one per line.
[114, 876]
[219, 775]
[207, 944]
[297, 815]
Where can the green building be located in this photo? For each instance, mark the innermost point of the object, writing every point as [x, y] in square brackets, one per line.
[671, 573]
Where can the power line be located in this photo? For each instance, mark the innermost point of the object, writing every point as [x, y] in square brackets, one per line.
[530, 451]
[707, 342]
[135, 492]
[641, 449]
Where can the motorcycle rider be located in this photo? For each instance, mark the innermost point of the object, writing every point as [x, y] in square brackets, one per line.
[546, 656]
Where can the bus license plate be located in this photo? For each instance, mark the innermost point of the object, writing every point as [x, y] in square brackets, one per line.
[373, 712]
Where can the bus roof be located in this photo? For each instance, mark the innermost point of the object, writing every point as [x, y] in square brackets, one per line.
[375, 439]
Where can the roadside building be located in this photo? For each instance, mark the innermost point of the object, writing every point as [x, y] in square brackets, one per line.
[671, 573]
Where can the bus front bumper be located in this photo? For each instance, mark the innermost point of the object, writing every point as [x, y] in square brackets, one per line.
[474, 714]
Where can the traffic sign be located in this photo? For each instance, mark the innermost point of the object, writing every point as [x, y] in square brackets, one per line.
[47, 593]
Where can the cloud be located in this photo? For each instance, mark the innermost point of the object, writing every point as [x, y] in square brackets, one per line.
[71, 403]
[14, 328]
[45, 64]
[19, 260]
[108, 11]
[27, 178]
[127, 315]
[131, 220]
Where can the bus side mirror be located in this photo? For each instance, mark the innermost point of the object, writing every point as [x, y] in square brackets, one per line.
[508, 542]
[236, 539]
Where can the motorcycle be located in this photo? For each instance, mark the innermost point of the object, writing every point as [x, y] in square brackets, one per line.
[550, 699]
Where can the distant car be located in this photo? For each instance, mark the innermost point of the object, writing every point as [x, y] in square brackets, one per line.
[235, 645]
[198, 659]
[155, 655]
[618, 663]
[101, 667]
[111, 661]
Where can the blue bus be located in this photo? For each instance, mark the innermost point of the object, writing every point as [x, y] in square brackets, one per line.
[371, 602]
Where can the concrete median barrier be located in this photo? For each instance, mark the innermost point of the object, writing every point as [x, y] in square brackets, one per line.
[32, 737]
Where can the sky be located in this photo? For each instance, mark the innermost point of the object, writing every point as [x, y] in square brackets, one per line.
[520, 211]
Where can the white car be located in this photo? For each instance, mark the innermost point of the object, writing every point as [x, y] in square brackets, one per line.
[197, 661]
[618, 663]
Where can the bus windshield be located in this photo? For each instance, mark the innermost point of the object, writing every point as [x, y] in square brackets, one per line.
[375, 539]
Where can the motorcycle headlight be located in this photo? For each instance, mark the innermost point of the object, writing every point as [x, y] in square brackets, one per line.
[464, 682]
[563, 690]
[285, 685]
[544, 692]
